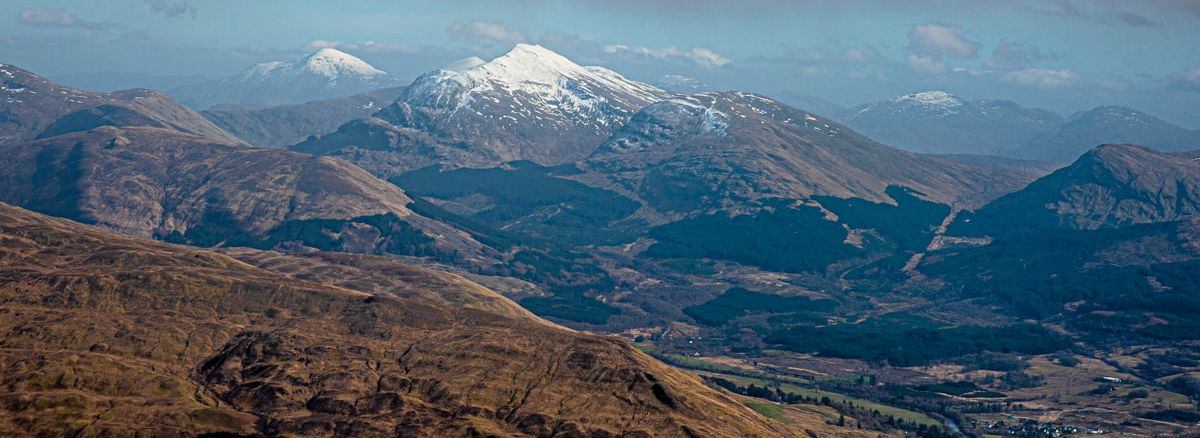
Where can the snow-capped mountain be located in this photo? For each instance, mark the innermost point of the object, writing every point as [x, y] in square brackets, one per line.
[519, 98]
[528, 104]
[941, 122]
[330, 64]
[324, 74]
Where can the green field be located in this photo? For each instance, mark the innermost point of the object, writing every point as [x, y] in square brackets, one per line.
[898, 413]
[769, 410]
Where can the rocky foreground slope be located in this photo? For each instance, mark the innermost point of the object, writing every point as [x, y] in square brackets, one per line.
[103, 334]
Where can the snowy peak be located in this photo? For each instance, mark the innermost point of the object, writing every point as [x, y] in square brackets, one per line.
[529, 62]
[324, 74]
[331, 63]
[938, 99]
[537, 73]
[528, 104]
[328, 63]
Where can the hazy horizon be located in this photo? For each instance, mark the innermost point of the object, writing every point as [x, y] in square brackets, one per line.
[1064, 56]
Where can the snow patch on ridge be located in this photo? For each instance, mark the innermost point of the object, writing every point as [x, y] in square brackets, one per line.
[940, 99]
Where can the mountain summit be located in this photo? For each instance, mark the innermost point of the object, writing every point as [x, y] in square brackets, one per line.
[528, 104]
[515, 99]
[326, 73]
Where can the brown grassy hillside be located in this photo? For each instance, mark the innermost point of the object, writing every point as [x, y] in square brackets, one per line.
[102, 334]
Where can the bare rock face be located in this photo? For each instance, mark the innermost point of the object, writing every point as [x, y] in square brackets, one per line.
[106, 334]
[33, 107]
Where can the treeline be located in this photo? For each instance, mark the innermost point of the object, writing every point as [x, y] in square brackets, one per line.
[898, 344]
[736, 302]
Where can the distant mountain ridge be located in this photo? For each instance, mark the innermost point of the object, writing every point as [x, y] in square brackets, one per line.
[942, 123]
[745, 146]
[34, 107]
[1108, 125]
[285, 125]
[324, 74]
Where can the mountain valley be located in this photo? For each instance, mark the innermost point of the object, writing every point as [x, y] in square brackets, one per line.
[524, 246]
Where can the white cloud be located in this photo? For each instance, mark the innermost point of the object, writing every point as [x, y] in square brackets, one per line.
[1188, 80]
[320, 44]
[1043, 78]
[936, 40]
[698, 55]
[488, 31]
[58, 19]
[927, 64]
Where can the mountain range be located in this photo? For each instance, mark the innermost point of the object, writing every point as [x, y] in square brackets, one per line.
[528, 104]
[253, 270]
[324, 74]
[942, 123]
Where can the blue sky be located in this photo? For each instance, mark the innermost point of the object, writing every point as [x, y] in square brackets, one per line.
[1063, 55]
